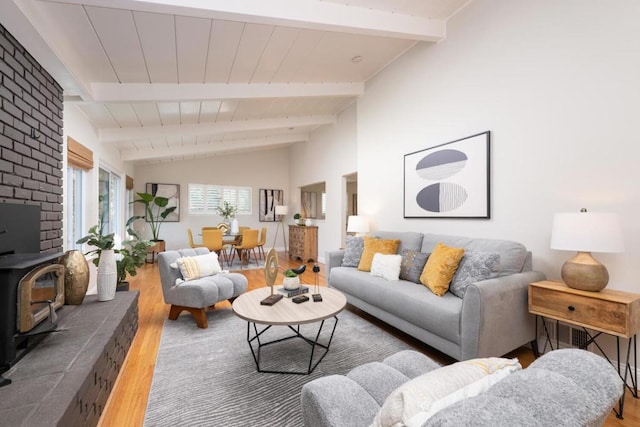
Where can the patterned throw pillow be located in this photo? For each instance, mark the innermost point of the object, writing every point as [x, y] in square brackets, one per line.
[440, 268]
[474, 267]
[386, 266]
[374, 246]
[412, 265]
[195, 267]
[352, 251]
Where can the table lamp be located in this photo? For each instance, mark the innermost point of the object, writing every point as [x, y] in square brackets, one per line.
[357, 224]
[586, 232]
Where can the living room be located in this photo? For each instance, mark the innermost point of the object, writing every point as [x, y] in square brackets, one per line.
[554, 82]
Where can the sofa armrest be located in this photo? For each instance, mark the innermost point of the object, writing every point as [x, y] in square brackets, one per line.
[336, 401]
[495, 315]
[333, 259]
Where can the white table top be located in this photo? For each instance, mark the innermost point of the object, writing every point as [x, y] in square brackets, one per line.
[286, 312]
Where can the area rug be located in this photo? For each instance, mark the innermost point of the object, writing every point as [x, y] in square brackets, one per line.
[207, 377]
[249, 266]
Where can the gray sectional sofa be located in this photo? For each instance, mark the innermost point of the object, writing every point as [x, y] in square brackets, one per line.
[563, 388]
[491, 319]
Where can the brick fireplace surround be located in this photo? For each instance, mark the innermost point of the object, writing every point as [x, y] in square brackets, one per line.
[67, 378]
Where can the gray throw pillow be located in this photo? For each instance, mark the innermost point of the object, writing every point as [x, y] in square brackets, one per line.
[352, 251]
[474, 267]
[412, 265]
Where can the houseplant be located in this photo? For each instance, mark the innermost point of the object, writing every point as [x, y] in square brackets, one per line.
[291, 280]
[105, 260]
[156, 212]
[297, 218]
[130, 257]
[228, 212]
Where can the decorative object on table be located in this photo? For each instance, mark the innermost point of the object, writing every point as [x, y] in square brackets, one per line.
[357, 225]
[105, 260]
[317, 297]
[227, 211]
[291, 280]
[586, 232]
[293, 292]
[76, 276]
[235, 229]
[281, 212]
[269, 200]
[270, 275]
[308, 222]
[296, 218]
[449, 180]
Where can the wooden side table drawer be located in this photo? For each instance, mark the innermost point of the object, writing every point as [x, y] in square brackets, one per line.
[607, 311]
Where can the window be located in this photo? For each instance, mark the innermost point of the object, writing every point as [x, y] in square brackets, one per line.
[204, 199]
[74, 193]
[109, 207]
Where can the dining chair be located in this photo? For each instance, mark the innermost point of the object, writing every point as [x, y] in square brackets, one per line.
[241, 229]
[191, 242]
[212, 240]
[248, 245]
[262, 241]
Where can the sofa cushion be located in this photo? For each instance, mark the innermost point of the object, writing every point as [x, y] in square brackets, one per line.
[474, 267]
[408, 239]
[513, 255]
[386, 266]
[418, 399]
[374, 246]
[412, 265]
[195, 267]
[354, 245]
[440, 268]
[414, 304]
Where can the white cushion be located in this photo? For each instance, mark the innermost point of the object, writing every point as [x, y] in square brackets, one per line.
[415, 401]
[195, 267]
[386, 266]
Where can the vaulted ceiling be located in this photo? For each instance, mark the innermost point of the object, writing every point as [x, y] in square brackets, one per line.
[175, 79]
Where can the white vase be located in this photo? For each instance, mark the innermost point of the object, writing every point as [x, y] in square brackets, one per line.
[291, 283]
[107, 275]
[308, 222]
[234, 226]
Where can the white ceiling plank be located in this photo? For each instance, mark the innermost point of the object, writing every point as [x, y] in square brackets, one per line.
[213, 147]
[209, 111]
[227, 110]
[252, 44]
[100, 116]
[124, 114]
[298, 54]
[117, 33]
[137, 92]
[147, 113]
[274, 54]
[169, 113]
[192, 36]
[309, 14]
[223, 44]
[133, 133]
[158, 39]
[189, 112]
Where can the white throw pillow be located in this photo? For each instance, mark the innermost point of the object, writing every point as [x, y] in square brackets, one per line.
[195, 267]
[415, 401]
[386, 266]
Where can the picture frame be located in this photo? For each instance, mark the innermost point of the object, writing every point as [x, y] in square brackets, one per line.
[171, 192]
[450, 180]
[268, 200]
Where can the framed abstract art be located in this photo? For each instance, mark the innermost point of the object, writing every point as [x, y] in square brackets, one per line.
[268, 200]
[450, 180]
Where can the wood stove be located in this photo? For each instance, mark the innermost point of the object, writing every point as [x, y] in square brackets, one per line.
[31, 284]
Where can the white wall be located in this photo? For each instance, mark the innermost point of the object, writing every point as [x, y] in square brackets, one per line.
[328, 156]
[259, 169]
[556, 82]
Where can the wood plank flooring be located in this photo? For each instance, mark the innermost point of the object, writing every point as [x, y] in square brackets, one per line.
[128, 401]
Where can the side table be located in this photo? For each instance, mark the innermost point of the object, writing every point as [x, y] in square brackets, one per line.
[609, 312]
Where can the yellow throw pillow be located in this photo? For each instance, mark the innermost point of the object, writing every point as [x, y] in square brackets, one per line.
[440, 268]
[374, 246]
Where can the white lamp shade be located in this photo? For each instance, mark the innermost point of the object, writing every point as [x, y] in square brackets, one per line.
[282, 210]
[357, 224]
[587, 232]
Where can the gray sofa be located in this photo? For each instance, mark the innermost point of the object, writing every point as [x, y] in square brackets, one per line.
[491, 319]
[564, 387]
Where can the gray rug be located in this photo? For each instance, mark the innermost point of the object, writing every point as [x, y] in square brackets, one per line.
[208, 377]
[237, 266]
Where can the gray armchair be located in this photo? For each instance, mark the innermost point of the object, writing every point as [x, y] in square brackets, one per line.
[196, 296]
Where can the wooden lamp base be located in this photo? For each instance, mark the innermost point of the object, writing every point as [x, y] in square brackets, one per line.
[585, 273]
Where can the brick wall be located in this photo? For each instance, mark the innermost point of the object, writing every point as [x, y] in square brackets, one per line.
[31, 138]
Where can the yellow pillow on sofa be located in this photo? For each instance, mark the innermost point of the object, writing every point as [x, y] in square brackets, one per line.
[440, 268]
[374, 246]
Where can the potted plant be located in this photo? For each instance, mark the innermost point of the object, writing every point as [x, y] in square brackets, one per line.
[156, 212]
[297, 218]
[291, 280]
[105, 260]
[130, 257]
[228, 212]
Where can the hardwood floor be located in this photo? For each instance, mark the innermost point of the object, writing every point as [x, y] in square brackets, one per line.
[128, 401]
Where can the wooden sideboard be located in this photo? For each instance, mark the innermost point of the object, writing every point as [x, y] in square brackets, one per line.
[303, 242]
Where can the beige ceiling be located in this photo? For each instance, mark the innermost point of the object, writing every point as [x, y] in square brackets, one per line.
[175, 79]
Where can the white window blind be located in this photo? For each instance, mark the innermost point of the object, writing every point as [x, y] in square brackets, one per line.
[205, 198]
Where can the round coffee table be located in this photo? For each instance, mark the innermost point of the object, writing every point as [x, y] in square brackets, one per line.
[287, 313]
